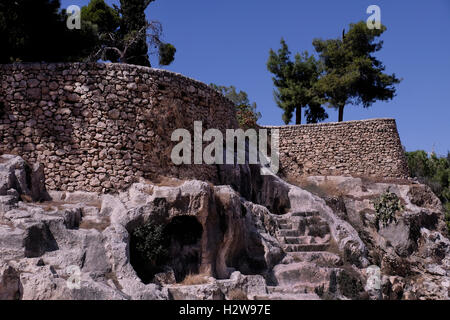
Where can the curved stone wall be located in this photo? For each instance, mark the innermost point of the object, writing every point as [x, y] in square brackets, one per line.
[358, 148]
[98, 127]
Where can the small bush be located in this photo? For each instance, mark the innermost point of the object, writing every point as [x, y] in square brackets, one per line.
[386, 206]
[247, 116]
[349, 286]
[149, 242]
[447, 216]
[433, 171]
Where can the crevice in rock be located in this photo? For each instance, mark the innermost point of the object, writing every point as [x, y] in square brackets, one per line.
[183, 235]
[38, 241]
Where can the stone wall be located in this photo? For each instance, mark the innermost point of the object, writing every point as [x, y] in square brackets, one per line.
[98, 127]
[358, 148]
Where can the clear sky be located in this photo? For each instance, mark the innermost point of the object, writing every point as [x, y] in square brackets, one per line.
[227, 43]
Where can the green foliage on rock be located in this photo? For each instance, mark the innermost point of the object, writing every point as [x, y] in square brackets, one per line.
[433, 171]
[386, 206]
[149, 242]
[349, 286]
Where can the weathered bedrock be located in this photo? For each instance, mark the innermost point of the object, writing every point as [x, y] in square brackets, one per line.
[309, 249]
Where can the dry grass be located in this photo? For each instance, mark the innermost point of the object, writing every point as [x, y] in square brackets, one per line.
[195, 279]
[25, 198]
[237, 294]
[113, 277]
[104, 223]
[324, 188]
[371, 179]
[330, 188]
[163, 181]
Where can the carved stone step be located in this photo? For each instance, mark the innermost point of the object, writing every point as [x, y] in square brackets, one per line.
[304, 275]
[299, 288]
[285, 226]
[320, 258]
[277, 296]
[306, 247]
[304, 213]
[283, 220]
[289, 233]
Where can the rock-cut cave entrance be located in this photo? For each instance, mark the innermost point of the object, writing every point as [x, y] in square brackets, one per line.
[156, 247]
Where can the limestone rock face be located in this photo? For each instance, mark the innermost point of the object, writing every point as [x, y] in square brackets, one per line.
[279, 241]
[16, 174]
[10, 287]
[412, 252]
[86, 237]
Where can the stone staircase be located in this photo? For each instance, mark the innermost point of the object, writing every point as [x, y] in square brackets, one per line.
[309, 265]
[304, 232]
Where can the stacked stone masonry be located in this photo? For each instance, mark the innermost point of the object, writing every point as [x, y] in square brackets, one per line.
[99, 127]
[358, 148]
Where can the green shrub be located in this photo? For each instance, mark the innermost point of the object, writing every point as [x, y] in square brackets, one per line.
[246, 113]
[386, 206]
[447, 216]
[433, 171]
[350, 286]
[247, 116]
[149, 242]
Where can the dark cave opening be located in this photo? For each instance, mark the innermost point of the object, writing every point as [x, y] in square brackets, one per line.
[156, 247]
[183, 238]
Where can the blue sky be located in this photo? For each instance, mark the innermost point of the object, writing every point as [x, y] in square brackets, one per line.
[227, 42]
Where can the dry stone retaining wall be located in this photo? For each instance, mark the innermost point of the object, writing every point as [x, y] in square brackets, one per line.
[98, 127]
[366, 148]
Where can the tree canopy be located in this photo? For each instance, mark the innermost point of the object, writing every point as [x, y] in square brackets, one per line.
[294, 82]
[246, 113]
[35, 30]
[351, 73]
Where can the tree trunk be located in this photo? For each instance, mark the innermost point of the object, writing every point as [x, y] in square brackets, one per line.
[298, 115]
[341, 113]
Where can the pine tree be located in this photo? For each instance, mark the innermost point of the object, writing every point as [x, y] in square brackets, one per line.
[294, 82]
[351, 73]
